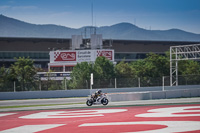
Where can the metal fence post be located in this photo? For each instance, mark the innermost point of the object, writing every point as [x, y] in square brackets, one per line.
[86, 84]
[115, 83]
[139, 82]
[40, 85]
[91, 82]
[163, 83]
[14, 87]
[65, 84]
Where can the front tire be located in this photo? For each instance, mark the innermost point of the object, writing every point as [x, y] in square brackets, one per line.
[104, 101]
[89, 102]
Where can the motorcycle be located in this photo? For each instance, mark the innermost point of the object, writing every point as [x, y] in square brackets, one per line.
[100, 100]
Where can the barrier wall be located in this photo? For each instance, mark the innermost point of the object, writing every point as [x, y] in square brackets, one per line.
[154, 95]
[115, 94]
[43, 94]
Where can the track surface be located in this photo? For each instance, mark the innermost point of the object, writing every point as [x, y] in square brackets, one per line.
[146, 119]
[80, 103]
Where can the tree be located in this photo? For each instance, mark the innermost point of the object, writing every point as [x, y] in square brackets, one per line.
[151, 69]
[138, 68]
[189, 71]
[24, 71]
[157, 65]
[153, 66]
[103, 71]
[80, 75]
[126, 76]
[103, 68]
[189, 67]
[124, 70]
[5, 84]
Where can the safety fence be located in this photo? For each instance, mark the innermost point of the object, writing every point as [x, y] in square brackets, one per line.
[45, 85]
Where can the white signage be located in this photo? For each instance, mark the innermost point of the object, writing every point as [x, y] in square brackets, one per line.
[75, 56]
[91, 78]
[84, 55]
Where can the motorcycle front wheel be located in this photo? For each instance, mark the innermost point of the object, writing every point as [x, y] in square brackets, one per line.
[104, 101]
[89, 102]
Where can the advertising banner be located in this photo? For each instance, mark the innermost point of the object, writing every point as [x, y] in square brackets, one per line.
[77, 56]
[65, 56]
[107, 54]
[84, 56]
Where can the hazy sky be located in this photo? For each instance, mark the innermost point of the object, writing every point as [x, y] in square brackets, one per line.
[148, 14]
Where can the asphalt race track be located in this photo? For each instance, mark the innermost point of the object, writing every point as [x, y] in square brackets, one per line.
[148, 118]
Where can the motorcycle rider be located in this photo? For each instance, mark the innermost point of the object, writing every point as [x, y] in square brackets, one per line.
[97, 98]
[97, 94]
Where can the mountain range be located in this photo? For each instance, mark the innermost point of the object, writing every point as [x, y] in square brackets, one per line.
[10, 27]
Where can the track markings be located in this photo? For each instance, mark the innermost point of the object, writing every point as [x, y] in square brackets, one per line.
[135, 119]
[6, 114]
[172, 126]
[31, 128]
[71, 114]
[172, 112]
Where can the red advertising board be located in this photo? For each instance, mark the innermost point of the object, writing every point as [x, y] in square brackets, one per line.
[64, 56]
[107, 54]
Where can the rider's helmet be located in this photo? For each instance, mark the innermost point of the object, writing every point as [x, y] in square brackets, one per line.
[99, 91]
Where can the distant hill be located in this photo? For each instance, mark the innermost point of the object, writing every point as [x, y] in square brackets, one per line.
[10, 27]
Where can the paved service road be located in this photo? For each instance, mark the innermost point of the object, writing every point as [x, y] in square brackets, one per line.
[41, 101]
[129, 119]
[75, 103]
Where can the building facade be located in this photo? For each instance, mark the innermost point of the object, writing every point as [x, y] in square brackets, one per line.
[38, 49]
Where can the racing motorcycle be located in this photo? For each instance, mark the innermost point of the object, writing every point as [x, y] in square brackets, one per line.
[99, 100]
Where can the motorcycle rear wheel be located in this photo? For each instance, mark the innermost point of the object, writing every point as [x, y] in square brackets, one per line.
[89, 103]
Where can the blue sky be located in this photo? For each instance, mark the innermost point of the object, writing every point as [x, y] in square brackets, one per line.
[148, 14]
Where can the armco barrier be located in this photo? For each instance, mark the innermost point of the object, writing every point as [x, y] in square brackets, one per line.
[130, 96]
[158, 95]
[115, 94]
[43, 94]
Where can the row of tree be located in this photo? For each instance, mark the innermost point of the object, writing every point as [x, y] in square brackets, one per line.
[22, 72]
[154, 66]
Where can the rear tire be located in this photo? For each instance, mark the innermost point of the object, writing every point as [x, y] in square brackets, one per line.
[89, 102]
